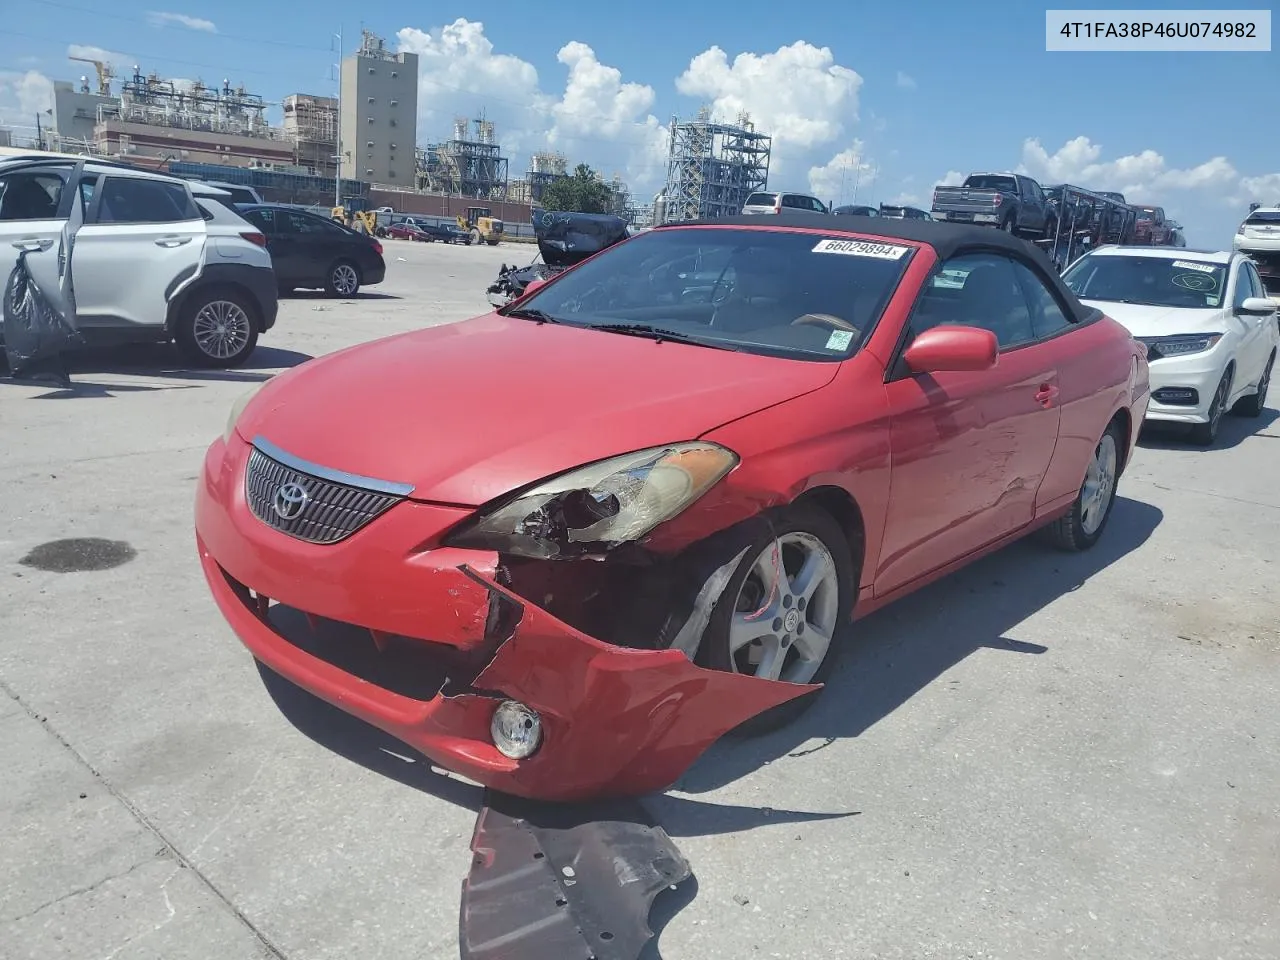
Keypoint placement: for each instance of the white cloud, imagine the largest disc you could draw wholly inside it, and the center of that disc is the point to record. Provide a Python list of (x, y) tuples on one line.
[(117, 61), (598, 117), (906, 200), (22, 96), (1264, 189), (906, 82), (952, 178), (597, 103), (1146, 175), (798, 94), (836, 179), (161, 18)]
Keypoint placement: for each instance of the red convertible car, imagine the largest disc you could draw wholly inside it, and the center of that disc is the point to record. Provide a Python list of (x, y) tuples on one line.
[(589, 533)]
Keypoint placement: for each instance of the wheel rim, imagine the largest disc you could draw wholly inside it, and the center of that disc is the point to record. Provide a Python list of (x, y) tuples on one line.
[(1099, 482), (344, 278), (221, 329), (1265, 383), (786, 610), (1008, 225)]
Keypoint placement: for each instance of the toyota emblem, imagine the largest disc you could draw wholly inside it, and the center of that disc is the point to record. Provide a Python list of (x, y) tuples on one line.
[(290, 500)]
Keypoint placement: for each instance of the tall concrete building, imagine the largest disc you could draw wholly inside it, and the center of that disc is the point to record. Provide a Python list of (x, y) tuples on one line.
[(379, 122), (75, 110)]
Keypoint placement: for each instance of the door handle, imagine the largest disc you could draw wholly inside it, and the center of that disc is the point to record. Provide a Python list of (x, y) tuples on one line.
[(1046, 394), (172, 241), (33, 244)]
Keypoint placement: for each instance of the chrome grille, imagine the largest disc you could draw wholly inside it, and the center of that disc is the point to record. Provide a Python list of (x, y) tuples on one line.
[(331, 512)]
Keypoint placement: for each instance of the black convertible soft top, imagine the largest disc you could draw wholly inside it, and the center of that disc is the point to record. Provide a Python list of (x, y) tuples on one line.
[(947, 240)]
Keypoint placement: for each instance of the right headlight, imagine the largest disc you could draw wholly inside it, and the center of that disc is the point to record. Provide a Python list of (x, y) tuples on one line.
[(601, 505)]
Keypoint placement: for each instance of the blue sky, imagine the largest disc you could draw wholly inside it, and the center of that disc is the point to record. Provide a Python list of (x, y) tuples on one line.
[(908, 98)]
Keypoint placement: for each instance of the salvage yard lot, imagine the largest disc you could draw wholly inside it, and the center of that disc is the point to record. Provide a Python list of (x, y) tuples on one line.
[(1046, 755)]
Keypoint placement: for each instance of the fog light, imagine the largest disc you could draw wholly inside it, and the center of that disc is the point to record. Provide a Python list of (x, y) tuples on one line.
[(516, 729)]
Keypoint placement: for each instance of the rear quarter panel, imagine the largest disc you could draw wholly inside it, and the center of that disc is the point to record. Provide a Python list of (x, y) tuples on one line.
[(1099, 370)]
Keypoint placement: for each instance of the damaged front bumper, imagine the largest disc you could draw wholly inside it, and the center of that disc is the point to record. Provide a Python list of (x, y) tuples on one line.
[(616, 721)]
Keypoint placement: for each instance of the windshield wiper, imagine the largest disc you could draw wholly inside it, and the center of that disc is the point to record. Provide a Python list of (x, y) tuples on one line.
[(659, 334), (531, 314)]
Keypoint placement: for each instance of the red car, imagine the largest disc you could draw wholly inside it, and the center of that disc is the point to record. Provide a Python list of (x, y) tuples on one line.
[(408, 230), (1151, 227), (585, 535)]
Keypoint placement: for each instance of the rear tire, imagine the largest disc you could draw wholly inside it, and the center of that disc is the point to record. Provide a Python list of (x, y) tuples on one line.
[(343, 279), (1254, 404), (1010, 224), (1081, 526), (217, 328)]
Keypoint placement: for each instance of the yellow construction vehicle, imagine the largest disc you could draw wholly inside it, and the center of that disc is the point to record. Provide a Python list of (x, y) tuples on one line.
[(481, 225), (350, 218)]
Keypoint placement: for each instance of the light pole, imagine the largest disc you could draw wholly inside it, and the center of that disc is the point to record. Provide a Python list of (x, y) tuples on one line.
[(337, 129)]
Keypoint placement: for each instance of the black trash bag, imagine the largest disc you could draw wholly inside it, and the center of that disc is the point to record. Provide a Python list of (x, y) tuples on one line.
[(564, 239), (36, 332)]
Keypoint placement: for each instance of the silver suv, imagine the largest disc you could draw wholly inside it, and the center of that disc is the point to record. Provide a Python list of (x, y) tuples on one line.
[(782, 202), (135, 259)]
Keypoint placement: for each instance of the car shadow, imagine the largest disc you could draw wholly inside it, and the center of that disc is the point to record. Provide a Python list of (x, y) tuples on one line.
[(894, 653), (321, 295), (1232, 432), (164, 360)]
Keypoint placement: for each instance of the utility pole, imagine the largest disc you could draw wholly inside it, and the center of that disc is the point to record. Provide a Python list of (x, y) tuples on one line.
[(337, 131)]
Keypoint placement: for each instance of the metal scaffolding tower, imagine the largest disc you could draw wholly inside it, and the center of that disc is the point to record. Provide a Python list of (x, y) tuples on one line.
[(713, 167), (469, 165)]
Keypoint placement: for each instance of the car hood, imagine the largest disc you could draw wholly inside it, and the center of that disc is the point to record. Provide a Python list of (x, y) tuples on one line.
[(466, 412), (1146, 321)]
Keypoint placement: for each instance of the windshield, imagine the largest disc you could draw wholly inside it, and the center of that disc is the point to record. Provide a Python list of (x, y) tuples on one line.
[(988, 182), (800, 295), (1152, 281), (1261, 217), (760, 200)]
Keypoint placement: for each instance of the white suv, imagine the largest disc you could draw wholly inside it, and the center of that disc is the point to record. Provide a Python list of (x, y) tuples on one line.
[(768, 201), (133, 257)]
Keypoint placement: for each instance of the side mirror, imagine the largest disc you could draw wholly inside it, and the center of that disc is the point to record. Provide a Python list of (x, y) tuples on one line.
[(952, 348), (533, 285), (1257, 307)]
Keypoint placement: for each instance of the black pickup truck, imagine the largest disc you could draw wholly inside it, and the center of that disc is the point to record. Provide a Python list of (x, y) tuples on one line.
[(1010, 201)]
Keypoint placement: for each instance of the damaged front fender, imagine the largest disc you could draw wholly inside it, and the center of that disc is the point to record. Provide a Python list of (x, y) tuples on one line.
[(616, 721)]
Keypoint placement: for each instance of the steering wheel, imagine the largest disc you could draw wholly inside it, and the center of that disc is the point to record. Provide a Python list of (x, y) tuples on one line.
[(823, 320)]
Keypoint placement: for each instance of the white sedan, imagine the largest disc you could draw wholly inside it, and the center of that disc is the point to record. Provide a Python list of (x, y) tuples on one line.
[(1211, 332)]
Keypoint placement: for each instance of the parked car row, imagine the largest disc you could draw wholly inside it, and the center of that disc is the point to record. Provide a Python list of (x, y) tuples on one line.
[(135, 256)]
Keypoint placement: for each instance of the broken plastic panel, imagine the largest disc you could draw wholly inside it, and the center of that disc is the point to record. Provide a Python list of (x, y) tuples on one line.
[(563, 882)]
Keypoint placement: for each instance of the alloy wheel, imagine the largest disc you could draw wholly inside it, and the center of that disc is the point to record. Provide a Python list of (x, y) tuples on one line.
[(1099, 482), (786, 610), (221, 329), (345, 280)]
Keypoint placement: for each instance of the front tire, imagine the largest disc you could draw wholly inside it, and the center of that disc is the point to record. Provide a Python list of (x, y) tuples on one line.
[(1254, 404), (1204, 434), (217, 328), (1081, 526), (343, 279), (779, 614)]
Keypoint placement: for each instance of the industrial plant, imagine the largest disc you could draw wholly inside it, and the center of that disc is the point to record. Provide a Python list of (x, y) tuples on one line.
[(361, 146)]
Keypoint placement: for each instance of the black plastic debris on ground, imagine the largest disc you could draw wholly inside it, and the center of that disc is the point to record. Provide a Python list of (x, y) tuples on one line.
[(79, 555), (564, 881)]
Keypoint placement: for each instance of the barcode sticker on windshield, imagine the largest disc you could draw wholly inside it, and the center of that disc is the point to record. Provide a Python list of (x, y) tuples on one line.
[(861, 248), (1189, 265)]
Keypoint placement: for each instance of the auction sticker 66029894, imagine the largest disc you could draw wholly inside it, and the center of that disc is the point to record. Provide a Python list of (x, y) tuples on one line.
[(862, 248)]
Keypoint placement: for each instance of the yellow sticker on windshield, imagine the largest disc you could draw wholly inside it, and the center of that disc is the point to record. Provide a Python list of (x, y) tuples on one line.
[(862, 248)]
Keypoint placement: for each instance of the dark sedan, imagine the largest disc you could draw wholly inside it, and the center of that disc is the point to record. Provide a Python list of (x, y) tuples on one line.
[(311, 251), (446, 233)]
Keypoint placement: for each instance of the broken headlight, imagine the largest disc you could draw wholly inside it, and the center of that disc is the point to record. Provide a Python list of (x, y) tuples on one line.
[(601, 505)]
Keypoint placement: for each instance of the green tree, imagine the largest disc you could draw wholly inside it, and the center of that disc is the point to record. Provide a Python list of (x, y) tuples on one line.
[(581, 192)]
